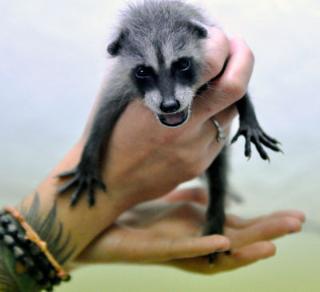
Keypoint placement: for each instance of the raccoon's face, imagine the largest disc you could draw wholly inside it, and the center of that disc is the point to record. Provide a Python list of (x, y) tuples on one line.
[(164, 68), (168, 90)]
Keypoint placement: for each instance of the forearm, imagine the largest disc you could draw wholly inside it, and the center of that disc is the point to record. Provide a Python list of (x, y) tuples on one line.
[(66, 231), (81, 224)]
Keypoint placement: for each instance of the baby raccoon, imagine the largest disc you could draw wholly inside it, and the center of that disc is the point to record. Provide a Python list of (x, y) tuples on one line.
[(159, 51)]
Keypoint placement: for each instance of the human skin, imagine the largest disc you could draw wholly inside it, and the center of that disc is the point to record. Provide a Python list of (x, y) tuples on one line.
[(153, 232), (145, 160), (172, 237), (142, 153)]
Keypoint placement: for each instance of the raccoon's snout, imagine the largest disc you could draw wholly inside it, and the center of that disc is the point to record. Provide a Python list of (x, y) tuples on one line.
[(172, 110), (170, 106), (176, 119)]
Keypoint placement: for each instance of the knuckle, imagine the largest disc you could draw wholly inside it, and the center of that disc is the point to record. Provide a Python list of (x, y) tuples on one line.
[(250, 55), (219, 36), (217, 51), (212, 68), (235, 88)]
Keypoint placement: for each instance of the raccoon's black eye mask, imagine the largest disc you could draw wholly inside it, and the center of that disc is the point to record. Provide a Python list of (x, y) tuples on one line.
[(182, 65), (143, 72)]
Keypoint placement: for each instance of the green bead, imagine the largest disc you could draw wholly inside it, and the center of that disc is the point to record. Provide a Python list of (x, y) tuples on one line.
[(18, 252), (5, 220), (12, 229), (21, 238), (8, 240)]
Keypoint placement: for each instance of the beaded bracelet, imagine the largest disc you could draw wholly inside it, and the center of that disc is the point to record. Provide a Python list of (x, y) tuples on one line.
[(30, 252)]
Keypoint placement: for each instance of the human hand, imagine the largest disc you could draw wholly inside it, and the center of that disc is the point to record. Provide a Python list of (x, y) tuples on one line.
[(146, 160), (154, 159), (167, 231)]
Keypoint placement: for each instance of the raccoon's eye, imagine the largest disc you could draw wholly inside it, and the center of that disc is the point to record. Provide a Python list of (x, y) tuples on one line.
[(183, 64), (143, 72)]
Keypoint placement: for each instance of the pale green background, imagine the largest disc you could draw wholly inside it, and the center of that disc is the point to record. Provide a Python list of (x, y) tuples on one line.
[(51, 63)]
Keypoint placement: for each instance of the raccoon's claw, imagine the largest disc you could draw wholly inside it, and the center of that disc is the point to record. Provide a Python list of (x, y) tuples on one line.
[(67, 173), (259, 138), (82, 181)]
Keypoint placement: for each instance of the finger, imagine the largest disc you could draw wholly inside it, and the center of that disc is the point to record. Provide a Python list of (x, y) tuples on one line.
[(224, 119), (196, 195), (121, 244), (247, 255), (234, 221), (239, 258), (231, 86), (207, 137), (265, 230), (226, 116), (216, 52), (166, 250), (253, 252)]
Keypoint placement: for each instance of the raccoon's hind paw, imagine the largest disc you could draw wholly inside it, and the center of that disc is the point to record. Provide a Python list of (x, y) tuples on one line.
[(259, 138), (82, 181), (213, 226), (212, 257)]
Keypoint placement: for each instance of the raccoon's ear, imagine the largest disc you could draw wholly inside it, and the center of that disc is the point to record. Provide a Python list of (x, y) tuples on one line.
[(115, 47), (198, 28)]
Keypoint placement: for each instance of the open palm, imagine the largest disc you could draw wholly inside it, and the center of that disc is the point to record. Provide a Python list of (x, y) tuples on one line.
[(168, 230)]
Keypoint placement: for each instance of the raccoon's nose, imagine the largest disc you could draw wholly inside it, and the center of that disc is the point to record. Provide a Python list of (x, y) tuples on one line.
[(170, 106)]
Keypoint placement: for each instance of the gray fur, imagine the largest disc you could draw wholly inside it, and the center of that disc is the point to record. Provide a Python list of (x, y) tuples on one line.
[(159, 57), (152, 26), (159, 22)]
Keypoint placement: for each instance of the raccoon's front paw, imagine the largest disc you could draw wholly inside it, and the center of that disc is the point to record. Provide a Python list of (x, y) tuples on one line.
[(258, 137), (213, 227), (82, 181)]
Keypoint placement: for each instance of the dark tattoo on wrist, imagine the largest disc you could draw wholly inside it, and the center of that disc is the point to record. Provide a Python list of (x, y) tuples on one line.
[(49, 229)]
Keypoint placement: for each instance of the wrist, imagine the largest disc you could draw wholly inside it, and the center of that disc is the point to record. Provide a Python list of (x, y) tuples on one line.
[(79, 225)]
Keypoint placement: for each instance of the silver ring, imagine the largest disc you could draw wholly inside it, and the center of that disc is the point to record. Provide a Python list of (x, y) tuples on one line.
[(220, 134)]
